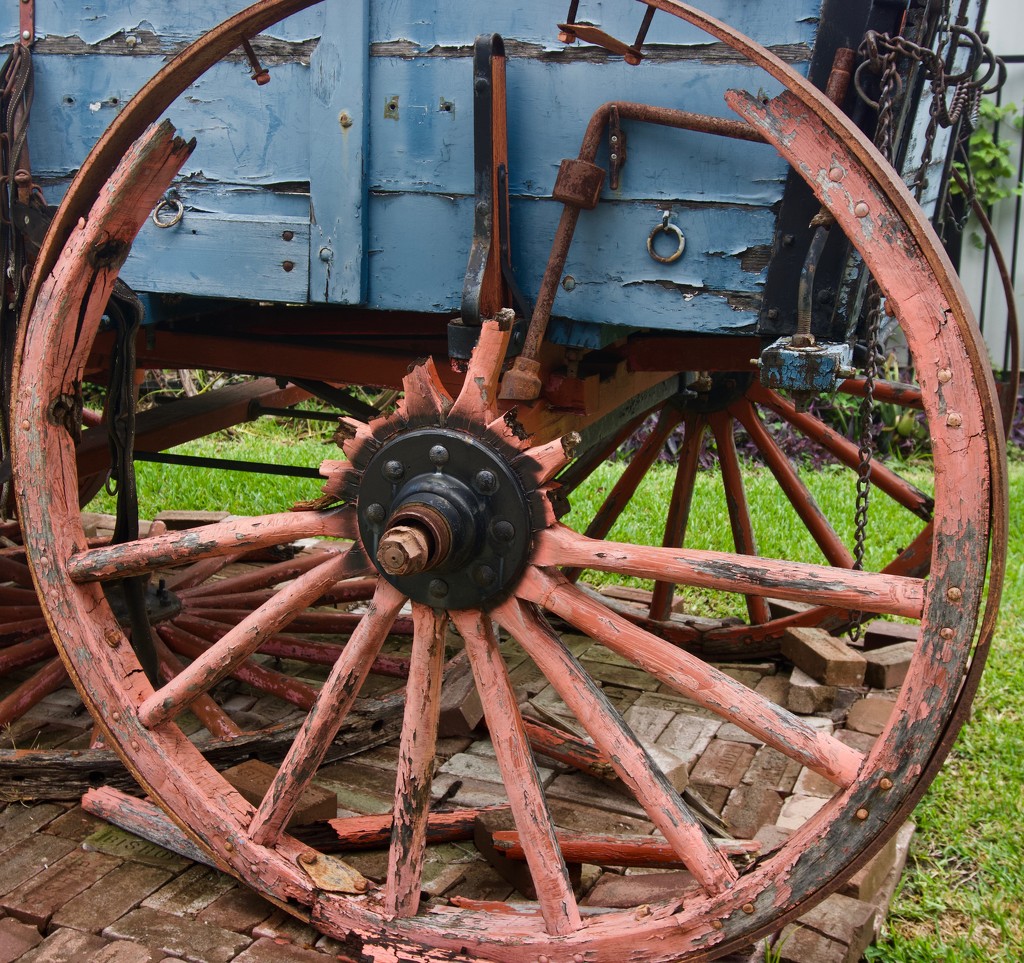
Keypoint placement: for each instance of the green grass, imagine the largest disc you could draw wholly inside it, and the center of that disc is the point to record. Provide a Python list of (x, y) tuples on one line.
[(962, 898)]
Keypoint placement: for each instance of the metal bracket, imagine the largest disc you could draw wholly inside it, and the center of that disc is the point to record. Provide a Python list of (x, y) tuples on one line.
[(571, 31), (27, 25), (616, 148)]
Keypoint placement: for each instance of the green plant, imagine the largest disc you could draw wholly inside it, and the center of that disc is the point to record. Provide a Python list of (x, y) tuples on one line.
[(988, 167)]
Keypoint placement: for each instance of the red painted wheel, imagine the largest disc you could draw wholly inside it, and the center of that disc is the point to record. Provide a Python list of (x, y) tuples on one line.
[(445, 505)]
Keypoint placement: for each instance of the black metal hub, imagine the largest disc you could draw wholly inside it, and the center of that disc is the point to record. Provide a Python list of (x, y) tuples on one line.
[(467, 507)]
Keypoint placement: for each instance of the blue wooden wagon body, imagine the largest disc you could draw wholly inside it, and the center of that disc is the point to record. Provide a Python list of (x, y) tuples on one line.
[(349, 178)]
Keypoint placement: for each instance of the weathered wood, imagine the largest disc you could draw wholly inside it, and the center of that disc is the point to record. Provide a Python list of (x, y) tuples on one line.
[(601, 850), (477, 402), (519, 773), (175, 548), (20, 654), (425, 395), (259, 578), (211, 715), (722, 427), (327, 715), (32, 691), (565, 748), (371, 832), (678, 517), (416, 764), (240, 642), (696, 680), (632, 763), (143, 819), (868, 591)]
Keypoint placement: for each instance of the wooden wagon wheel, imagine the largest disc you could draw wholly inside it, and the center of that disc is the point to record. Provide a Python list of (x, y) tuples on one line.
[(444, 505)]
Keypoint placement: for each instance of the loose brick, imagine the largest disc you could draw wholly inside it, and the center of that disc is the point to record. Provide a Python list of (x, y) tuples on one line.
[(771, 838), (238, 910), (253, 778), (120, 891), (31, 858), (724, 763), (191, 892), (797, 810), (65, 946), (714, 796), (38, 898), (124, 951), (800, 945), (75, 824), (749, 808), (772, 770), (887, 667), (775, 688), (674, 766), (850, 922), (467, 765), (808, 696), (866, 882), (461, 708), (733, 733), (811, 784), (689, 734), (178, 936), (586, 819), (883, 896), (879, 633), (870, 716), (827, 659), (270, 951), (622, 892), (18, 822), (16, 939), (579, 789), (861, 741)]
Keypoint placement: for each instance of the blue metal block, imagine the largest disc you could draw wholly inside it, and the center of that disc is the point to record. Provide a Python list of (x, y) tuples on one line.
[(817, 369)]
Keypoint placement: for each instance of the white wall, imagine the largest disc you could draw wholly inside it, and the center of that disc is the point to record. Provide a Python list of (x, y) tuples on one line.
[(1005, 23)]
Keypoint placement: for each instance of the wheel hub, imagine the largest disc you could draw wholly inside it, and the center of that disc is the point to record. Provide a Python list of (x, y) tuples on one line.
[(445, 519)]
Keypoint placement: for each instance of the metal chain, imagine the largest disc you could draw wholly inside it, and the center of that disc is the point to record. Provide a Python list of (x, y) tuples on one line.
[(890, 86)]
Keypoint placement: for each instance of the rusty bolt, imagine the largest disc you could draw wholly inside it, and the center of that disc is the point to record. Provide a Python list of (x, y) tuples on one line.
[(135, 745), (542, 959), (568, 283), (954, 594), (748, 907), (835, 174), (885, 784), (641, 911), (860, 209), (288, 266), (345, 119), (44, 562), (287, 235), (438, 455), (946, 633), (308, 858), (862, 814), (112, 637), (945, 376), (578, 958), (393, 470), (115, 717), (717, 925), (228, 846), (954, 419), (773, 314), (376, 513), (25, 425), (503, 530)]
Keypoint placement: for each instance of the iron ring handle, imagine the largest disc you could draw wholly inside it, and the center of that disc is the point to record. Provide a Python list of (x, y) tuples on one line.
[(168, 204), (666, 228)]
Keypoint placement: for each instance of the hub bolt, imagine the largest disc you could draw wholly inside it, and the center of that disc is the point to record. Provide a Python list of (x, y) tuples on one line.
[(439, 455), (438, 588), (484, 576), (503, 530), (486, 482), (375, 513), (394, 470)]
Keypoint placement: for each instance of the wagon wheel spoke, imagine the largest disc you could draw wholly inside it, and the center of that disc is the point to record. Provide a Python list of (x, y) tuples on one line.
[(326, 717), (32, 691), (797, 581), (846, 452), (793, 487), (244, 639), (519, 773), (416, 763), (211, 715), (736, 504), (263, 578), (694, 427), (477, 401), (613, 737), (222, 538), (695, 679)]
